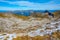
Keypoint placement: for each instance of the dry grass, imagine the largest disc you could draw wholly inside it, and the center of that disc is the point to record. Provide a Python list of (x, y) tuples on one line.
[(13, 15), (55, 36)]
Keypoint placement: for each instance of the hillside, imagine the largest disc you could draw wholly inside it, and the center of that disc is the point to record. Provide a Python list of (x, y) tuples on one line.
[(37, 27)]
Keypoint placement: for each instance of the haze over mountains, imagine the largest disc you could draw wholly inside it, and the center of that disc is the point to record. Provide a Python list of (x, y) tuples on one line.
[(25, 12)]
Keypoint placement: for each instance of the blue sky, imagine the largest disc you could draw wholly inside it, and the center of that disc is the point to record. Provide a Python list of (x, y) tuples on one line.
[(29, 4)]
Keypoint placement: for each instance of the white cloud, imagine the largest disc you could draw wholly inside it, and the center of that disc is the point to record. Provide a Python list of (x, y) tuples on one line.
[(7, 8), (34, 6)]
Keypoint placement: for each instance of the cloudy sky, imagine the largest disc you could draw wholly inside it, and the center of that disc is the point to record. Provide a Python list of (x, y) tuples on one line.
[(29, 4)]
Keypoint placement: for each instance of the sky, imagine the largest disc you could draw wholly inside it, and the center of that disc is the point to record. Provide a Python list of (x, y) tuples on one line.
[(29, 4)]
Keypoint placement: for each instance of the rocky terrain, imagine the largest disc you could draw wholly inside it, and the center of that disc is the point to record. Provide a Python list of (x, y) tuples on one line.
[(13, 27)]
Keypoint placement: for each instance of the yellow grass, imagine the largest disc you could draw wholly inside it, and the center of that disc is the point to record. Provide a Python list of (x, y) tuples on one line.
[(46, 37)]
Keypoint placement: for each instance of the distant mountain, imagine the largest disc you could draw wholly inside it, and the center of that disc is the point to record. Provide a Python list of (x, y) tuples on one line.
[(25, 12)]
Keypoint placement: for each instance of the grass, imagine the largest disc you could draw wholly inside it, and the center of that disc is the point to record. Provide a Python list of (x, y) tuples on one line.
[(14, 15)]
